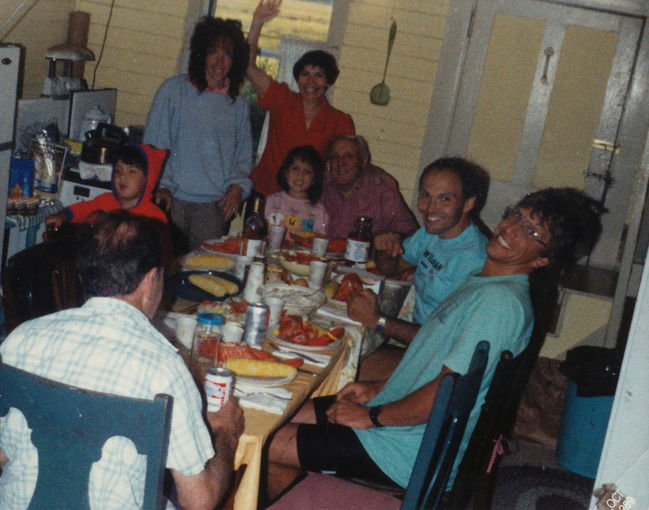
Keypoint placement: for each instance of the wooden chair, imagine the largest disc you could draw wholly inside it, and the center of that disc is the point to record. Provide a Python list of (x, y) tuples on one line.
[(69, 427), (442, 437), (476, 475), (41, 279)]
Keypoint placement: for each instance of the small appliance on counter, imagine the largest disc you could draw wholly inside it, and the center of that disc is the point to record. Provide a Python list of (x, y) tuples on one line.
[(74, 188)]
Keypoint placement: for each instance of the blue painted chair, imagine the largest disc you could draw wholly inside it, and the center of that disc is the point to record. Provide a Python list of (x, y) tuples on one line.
[(443, 434), (70, 425), (455, 398)]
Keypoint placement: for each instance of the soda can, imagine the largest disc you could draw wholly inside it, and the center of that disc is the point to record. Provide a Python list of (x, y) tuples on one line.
[(256, 324), (218, 387)]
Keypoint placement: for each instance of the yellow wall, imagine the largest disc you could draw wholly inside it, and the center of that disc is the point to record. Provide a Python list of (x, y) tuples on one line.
[(45, 25), (395, 132)]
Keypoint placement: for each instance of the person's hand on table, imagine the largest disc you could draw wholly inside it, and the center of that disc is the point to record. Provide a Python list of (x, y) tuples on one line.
[(227, 421), (163, 199), (54, 221), (266, 10), (350, 414), (390, 242), (359, 392), (229, 204), (363, 307)]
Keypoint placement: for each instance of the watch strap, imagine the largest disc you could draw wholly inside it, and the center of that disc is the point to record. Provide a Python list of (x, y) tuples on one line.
[(374, 415), (379, 327)]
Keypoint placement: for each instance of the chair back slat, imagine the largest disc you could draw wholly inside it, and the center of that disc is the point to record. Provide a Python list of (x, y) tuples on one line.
[(445, 428), (69, 427), (495, 420)]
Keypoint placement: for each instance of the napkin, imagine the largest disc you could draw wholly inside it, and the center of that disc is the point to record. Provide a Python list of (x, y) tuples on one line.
[(271, 400), (319, 360), (337, 314)]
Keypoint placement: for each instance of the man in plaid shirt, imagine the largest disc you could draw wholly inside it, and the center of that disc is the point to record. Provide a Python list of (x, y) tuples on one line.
[(109, 345)]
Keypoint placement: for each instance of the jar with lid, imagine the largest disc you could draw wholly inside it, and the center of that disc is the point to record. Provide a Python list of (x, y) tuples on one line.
[(208, 336), (359, 241)]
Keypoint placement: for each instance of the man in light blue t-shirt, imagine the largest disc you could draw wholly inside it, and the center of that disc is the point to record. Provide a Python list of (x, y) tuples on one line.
[(373, 430), (444, 251)]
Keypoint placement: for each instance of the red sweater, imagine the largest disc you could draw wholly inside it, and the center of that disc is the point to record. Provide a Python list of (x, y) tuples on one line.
[(79, 212)]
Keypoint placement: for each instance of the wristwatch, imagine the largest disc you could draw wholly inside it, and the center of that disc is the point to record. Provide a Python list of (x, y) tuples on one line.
[(379, 327), (374, 415)]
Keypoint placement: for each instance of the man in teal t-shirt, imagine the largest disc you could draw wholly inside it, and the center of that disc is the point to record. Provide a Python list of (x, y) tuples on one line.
[(373, 429), (443, 251)]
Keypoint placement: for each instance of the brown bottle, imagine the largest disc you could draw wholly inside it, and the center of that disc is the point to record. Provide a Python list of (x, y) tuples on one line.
[(359, 241), (254, 231)]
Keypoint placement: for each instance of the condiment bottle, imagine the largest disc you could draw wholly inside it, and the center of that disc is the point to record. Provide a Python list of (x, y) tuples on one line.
[(254, 231), (359, 242), (207, 341)]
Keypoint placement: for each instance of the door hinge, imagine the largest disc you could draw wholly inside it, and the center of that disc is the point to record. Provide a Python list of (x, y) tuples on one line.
[(606, 145)]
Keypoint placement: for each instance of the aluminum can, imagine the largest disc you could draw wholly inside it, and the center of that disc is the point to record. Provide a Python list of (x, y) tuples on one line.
[(218, 387), (256, 324)]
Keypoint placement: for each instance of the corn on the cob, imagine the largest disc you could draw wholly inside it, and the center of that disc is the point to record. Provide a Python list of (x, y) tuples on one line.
[(259, 368), (215, 285), (212, 261)]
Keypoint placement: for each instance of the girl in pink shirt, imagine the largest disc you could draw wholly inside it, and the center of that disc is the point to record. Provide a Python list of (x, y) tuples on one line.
[(298, 206)]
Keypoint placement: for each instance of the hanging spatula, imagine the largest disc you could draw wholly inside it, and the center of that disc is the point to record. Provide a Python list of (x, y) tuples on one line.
[(380, 93)]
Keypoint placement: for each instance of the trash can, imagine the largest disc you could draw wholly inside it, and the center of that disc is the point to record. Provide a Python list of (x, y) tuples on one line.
[(592, 374)]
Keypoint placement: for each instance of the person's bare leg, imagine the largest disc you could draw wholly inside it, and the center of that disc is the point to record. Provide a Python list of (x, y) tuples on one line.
[(379, 365), (283, 461), (306, 413)]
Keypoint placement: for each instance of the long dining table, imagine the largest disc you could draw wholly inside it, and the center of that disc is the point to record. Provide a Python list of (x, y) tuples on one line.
[(311, 381)]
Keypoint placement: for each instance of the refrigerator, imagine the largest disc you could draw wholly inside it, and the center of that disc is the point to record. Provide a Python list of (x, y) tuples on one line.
[(9, 66)]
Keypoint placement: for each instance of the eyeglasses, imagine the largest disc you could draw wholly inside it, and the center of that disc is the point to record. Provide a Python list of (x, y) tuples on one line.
[(514, 215)]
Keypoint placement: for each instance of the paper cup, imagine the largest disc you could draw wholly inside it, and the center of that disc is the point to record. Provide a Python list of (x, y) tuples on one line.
[(185, 327), (276, 235), (319, 247), (232, 332), (275, 306), (317, 270)]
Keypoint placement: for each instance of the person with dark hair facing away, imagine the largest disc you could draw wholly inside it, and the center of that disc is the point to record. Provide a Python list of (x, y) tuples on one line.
[(108, 345), (136, 170), (204, 122), (373, 429), (298, 207), (296, 118)]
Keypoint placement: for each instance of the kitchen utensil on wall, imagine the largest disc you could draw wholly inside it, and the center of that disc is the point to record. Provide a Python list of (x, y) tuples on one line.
[(380, 93)]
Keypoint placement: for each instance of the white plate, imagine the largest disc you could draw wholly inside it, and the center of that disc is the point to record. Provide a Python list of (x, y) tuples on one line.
[(300, 347), (243, 381)]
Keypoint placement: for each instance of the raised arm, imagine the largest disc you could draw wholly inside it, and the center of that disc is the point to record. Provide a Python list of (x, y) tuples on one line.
[(266, 10)]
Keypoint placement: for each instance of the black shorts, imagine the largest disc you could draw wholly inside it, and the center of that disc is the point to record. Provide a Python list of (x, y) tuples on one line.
[(335, 448)]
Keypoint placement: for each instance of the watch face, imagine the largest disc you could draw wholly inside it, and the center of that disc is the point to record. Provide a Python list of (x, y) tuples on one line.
[(374, 416)]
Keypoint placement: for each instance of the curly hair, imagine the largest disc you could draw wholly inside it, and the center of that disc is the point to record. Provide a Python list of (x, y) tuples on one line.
[(307, 154), (209, 33), (318, 58), (574, 221), (473, 178)]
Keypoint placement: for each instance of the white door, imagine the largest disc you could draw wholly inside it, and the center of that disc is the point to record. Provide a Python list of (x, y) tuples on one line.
[(540, 100)]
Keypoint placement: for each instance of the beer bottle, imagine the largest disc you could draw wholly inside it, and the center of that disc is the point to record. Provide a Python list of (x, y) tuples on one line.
[(254, 231), (359, 242)]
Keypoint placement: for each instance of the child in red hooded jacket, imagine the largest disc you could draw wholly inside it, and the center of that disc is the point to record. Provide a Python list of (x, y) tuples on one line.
[(135, 175)]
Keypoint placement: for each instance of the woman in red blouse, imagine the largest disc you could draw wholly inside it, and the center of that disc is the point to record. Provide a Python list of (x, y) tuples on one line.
[(296, 118)]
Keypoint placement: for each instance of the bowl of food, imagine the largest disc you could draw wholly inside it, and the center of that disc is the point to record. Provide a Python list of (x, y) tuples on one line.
[(298, 300)]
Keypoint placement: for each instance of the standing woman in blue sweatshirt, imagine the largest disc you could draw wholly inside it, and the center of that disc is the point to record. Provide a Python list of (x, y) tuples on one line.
[(205, 124)]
